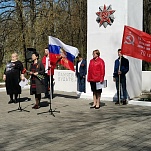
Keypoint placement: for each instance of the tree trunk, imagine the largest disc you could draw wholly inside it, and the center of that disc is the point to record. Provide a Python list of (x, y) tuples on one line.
[(19, 10), (32, 22)]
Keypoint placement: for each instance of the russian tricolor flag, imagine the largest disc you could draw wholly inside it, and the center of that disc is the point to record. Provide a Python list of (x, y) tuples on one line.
[(62, 53)]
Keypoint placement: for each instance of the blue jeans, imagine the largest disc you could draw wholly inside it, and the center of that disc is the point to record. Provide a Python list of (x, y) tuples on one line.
[(123, 84), (81, 83)]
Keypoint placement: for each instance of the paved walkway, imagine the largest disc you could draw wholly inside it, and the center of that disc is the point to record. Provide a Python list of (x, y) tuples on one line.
[(75, 128)]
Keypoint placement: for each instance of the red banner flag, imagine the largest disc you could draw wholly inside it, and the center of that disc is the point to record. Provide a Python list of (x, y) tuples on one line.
[(136, 44)]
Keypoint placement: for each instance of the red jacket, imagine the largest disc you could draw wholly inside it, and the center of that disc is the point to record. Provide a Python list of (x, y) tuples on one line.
[(51, 63), (96, 70)]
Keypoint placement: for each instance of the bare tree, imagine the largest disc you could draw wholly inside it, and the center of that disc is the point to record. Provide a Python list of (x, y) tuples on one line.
[(28, 23)]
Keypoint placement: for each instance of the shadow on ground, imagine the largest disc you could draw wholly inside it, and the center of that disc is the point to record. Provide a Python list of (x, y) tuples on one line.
[(101, 104), (24, 99), (44, 104), (66, 96)]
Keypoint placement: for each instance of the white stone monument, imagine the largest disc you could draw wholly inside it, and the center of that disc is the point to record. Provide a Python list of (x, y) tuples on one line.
[(108, 38)]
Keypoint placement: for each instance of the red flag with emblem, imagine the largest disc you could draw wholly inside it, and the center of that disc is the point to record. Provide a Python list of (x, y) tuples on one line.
[(136, 44)]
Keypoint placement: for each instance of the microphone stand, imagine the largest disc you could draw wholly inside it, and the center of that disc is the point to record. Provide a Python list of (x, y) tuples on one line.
[(50, 98), (19, 107)]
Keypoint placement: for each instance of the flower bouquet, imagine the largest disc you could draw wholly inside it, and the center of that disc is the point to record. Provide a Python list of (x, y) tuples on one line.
[(39, 76)]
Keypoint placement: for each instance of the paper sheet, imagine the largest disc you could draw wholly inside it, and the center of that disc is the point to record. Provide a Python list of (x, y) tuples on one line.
[(100, 85), (23, 83)]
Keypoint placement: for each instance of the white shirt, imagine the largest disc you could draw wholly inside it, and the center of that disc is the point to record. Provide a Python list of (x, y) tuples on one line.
[(79, 63), (47, 63)]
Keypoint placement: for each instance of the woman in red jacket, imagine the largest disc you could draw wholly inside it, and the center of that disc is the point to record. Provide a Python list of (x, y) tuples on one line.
[(96, 73)]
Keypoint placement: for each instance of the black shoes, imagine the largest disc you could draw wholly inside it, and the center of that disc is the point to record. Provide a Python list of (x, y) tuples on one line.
[(95, 107), (11, 101), (116, 102), (92, 107), (15, 101), (123, 103)]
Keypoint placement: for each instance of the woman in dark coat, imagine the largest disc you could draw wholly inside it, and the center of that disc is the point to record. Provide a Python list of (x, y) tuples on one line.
[(13, 74), (37, 85)]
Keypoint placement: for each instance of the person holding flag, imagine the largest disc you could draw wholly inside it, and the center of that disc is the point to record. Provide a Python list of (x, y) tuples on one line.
[(121, 67)]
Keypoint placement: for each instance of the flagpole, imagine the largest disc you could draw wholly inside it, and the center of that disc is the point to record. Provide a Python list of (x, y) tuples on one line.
[(51, 89), (119, 89)]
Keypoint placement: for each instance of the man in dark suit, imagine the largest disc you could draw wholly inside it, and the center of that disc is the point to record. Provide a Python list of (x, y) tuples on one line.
[(81, 71), (121, 67)]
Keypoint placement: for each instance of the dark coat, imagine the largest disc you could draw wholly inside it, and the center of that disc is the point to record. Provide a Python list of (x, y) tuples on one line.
[(83, 68), (124, 67), (13, 71), (40, 84)]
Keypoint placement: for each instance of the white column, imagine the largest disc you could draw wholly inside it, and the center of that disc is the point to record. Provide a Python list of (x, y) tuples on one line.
[(108, 40)]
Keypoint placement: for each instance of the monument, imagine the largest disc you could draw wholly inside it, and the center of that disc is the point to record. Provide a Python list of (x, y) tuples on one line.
[(105, 25)]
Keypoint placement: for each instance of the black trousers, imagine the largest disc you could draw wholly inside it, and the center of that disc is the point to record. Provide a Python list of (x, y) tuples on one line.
[(11, 96)]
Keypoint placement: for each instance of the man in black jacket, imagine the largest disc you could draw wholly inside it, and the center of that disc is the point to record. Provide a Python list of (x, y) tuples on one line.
[(81, 70), (121, 67)]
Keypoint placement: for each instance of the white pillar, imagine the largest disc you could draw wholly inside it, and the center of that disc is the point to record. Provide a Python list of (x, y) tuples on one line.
[(108, 40)]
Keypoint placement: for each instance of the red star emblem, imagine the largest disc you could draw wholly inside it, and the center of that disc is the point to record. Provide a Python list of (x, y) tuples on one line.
[(105, 15)]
